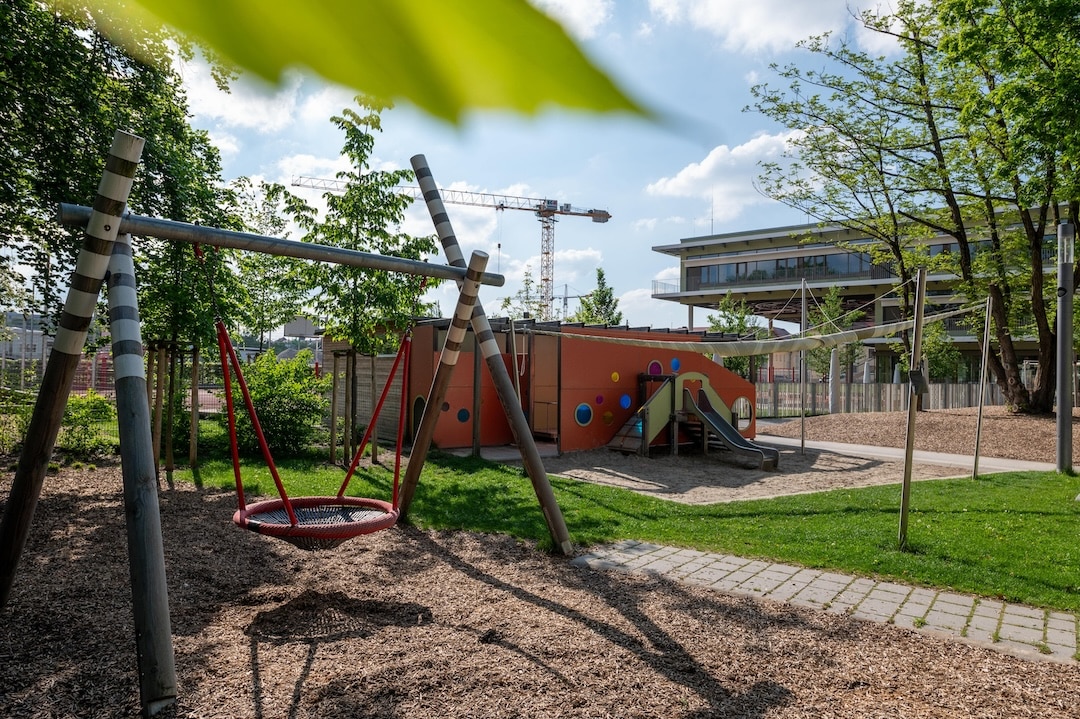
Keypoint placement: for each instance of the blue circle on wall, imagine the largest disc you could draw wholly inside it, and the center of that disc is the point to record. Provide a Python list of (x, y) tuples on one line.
[(583, 415), (463, 415), (625, 401), (675, 364)]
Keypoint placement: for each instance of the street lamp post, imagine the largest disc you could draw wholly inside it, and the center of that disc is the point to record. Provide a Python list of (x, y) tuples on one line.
[(1066, 235)]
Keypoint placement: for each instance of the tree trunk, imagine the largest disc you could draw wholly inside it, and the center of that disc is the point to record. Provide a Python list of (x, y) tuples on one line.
[(1003, 363)]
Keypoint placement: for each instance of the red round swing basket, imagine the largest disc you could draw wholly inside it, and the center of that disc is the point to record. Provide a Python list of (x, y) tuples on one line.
[(321, 522)]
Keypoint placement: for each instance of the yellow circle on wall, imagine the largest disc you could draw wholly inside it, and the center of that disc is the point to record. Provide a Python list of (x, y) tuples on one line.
[(614, 376)]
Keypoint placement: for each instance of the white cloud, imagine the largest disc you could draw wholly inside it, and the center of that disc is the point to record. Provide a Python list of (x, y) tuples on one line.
[(251, 105), (575, 268), (761, 26), (639, 309), (226, 142), (581, 18), (590, 257), (318, 107), (305, 165), (668, 273), (725, 177)]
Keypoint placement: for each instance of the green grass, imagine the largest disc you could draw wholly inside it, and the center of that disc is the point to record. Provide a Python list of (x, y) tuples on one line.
[(1012, 536)]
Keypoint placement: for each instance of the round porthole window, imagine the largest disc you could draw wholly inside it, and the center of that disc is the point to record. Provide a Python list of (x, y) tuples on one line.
[(583, 415)]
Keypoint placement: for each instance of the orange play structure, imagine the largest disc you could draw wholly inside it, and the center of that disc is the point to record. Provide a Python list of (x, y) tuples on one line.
[(581, 393)]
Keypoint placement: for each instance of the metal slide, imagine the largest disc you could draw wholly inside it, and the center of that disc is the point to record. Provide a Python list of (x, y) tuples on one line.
[(726, 433)]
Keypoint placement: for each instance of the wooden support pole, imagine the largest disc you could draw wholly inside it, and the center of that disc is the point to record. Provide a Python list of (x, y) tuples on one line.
[(504, 386), (151, 362), (146, 552), (79, 306), (374, 395), (349, 430), (170, 414), (440, 383), (333, 406), (476, 398), (159, 400), (193, 441)]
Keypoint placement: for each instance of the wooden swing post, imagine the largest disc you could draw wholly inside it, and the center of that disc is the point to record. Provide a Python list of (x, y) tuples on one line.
[(504, 386)]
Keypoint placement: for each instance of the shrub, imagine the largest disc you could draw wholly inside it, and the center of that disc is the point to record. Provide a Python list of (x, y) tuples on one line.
[(289, 400), (86, 421), (15, 410)]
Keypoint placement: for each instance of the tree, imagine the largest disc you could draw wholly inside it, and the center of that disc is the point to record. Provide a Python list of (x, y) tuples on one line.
[(943, 360), (289, 400), (64, 89), (960, 152), (840, 167), (829, 317), (736, 318), (527, 302), (599, 307), (369, 308), (274, 288)]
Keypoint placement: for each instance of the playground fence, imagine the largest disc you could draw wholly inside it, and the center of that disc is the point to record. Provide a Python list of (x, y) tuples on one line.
[(785, 399)]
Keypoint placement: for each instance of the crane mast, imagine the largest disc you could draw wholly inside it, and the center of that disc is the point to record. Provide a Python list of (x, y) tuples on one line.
[(547, 211)]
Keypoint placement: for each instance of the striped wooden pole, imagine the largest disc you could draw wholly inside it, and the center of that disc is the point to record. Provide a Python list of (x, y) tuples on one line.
[(146, 551), (504, 386), (86, 281), (440, 384)]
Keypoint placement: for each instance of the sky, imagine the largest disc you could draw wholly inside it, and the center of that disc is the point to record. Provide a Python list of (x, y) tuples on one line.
[(695, 60)]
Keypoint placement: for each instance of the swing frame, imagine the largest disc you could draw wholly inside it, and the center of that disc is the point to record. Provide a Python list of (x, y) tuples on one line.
[(310, 523)]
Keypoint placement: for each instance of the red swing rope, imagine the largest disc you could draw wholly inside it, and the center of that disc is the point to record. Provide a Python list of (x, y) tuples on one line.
[(228, 356), (226, 350), (403, 353)]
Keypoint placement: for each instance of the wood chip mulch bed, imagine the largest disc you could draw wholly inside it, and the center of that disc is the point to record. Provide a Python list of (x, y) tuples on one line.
[(407, 623)]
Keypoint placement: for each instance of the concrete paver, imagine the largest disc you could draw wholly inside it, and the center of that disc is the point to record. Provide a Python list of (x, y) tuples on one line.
[(1017, 629)]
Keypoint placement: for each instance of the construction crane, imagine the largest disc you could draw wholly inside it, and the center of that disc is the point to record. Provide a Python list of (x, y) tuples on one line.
[(547, 211)]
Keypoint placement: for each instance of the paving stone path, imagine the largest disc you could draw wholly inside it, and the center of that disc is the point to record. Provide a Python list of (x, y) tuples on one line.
[(1013, 628)]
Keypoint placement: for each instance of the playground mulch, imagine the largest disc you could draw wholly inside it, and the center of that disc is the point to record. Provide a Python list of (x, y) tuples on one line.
[(1031, 438), (407, 623)]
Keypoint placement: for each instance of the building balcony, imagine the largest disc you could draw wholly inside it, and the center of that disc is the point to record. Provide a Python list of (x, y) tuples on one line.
[(761, 279)]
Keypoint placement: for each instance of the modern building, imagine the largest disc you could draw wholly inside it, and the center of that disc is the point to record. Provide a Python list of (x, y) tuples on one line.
[(766, 268)]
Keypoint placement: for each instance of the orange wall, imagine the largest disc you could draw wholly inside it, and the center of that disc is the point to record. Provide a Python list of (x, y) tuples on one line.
[(455, 426), (598, 387)]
